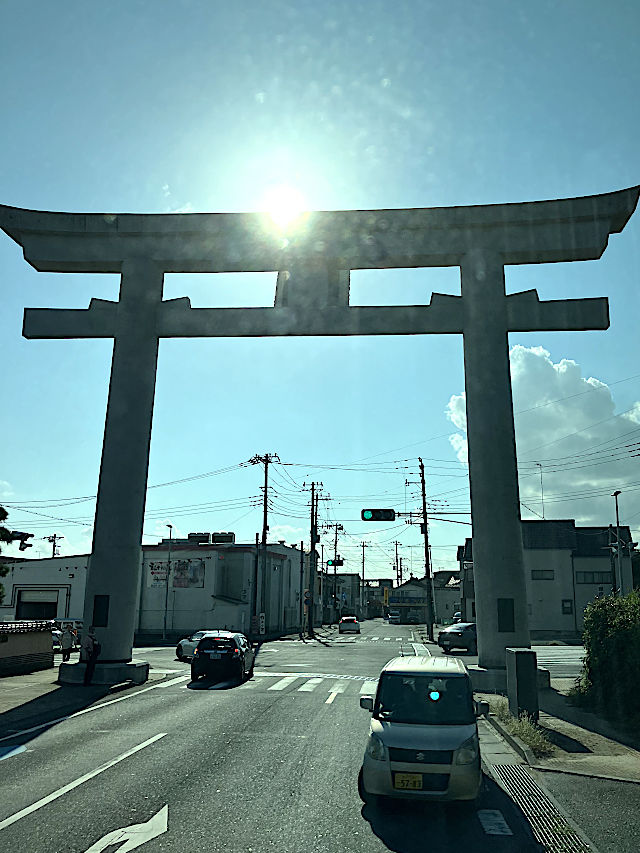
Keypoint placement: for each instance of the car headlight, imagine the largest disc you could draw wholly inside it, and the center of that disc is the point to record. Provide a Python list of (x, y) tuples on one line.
[(376, 748), (468, 752)]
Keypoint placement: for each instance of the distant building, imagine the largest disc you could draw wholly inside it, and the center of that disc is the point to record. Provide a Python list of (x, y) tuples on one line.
[(566, 567)]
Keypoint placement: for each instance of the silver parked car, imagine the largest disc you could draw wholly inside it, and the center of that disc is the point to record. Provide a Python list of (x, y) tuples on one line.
[(186, 646), (423, 738)]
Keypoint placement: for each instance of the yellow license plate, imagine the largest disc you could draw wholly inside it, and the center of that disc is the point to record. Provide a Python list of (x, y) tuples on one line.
[(408, 781)]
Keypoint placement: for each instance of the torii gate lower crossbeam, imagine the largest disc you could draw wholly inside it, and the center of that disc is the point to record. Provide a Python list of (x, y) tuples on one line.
[(312, 298)]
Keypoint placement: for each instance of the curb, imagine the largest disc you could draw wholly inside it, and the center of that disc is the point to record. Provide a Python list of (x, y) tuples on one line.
[(584, 774), (514, 742)]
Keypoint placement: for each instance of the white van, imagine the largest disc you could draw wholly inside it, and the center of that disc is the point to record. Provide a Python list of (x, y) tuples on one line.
[(423, 739)]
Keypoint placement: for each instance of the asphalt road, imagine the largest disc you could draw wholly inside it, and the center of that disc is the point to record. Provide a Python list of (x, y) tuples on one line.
[(268, 765)]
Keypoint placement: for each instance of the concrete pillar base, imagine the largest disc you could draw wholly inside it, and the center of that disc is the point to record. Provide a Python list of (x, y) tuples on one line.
[(105, 673), (495, 680)]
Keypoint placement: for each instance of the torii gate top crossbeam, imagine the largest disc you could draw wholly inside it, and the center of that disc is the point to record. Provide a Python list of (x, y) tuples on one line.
[(530, 232)]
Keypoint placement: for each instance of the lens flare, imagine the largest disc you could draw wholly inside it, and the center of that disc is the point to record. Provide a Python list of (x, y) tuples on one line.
[(284, 205)]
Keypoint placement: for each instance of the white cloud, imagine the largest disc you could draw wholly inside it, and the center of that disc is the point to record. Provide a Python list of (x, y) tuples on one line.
[(567, 423), (184, 208), (287, 532), (6, 491)]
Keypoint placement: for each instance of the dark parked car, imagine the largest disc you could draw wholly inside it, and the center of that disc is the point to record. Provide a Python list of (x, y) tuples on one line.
[(460, 636), (223, 653)]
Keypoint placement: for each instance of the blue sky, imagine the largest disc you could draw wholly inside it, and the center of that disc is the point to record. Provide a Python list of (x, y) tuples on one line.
[(205, 106)]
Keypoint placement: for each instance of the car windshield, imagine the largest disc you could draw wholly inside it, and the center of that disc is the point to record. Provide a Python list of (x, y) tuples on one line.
[(424, 699)]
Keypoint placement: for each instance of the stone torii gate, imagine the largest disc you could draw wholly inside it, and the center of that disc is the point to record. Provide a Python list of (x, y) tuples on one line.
[(312, 298)]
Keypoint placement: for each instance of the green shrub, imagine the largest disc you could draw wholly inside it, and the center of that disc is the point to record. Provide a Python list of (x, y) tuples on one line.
[(611, 671)]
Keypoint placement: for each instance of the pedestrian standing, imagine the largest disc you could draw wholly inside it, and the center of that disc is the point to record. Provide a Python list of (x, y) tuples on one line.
[(67, 640), (89, 651)]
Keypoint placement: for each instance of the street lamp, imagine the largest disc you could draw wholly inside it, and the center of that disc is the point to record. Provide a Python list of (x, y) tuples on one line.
[(619, 578), (166, 588)]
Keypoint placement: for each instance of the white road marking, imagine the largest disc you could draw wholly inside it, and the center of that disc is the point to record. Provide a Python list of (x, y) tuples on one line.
[(165, 671), (375, 638), (338, 687), (309, 685), (135, 835), (493, 822), (172, 682), (421, 649), (387, 638), (93, 708), (369, 688), (10, 751), (79, 781), (284, 682)]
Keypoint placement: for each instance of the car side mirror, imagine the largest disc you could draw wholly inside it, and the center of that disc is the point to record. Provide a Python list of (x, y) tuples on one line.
[(482, 709), (366, 702)]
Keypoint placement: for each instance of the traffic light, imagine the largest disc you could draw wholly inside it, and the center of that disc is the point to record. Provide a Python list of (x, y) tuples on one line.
[(17, 535), (378, 515), (338, 562)]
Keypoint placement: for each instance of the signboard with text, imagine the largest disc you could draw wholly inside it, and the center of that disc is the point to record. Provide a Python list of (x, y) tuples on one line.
[(185, 574)]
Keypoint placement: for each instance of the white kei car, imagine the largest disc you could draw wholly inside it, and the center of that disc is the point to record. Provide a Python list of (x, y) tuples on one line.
[(348, 623), (184, 649)]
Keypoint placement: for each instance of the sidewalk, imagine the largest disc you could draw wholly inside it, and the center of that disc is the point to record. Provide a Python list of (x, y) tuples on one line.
[(584, 744), (35, 698)]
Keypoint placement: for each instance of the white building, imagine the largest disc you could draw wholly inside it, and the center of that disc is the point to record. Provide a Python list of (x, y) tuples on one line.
[(566, 567), (209, 586)]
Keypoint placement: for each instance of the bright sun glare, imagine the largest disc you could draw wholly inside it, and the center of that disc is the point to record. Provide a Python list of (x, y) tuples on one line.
[(284, 205)]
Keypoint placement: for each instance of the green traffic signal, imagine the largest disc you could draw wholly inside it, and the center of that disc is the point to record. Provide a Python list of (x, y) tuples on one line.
[(378, 515)]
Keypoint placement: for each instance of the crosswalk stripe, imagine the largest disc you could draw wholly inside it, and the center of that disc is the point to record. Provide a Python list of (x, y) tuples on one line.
[(369, 687), (284, 682), (338, 687), (387, 638), (309, 685)]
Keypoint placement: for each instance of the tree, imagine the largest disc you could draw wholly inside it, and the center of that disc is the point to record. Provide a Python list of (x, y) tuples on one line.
[(5, 536)]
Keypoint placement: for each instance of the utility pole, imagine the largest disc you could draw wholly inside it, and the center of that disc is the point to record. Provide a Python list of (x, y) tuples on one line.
[(166, 586), (264, 460), (314, 539), (335, 527), (539, 464), (255, 628), (618, 548), (53, 540), (397, 566), (427, 561), (362, 588), (301, 588), (312, 573), (322, 573)]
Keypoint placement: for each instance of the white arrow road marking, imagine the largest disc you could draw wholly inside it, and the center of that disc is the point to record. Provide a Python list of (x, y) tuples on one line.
[(135, 835), (76, 782)]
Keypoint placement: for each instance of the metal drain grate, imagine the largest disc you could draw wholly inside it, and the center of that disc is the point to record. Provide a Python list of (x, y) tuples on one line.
[(549, 827)]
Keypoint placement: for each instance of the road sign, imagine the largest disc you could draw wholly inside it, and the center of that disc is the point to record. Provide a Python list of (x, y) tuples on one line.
[(385, 593), (378, 515), (262, 623)]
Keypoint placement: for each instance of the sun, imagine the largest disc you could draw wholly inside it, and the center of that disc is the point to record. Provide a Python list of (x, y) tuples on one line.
[(284, 205)]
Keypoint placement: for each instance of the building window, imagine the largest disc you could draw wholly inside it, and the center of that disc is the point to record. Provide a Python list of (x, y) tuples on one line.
[(541, 574), (593, 577), (567, 607), (473, 610)]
